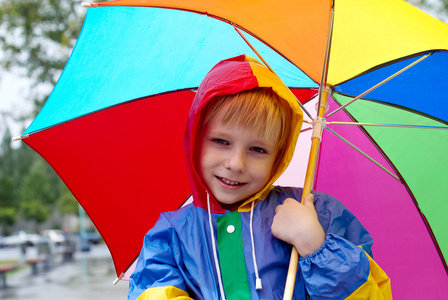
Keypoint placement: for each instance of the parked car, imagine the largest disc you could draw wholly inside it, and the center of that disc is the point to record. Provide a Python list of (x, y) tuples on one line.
[(91, 236), (21, 237), (94, 237), (55, 235)]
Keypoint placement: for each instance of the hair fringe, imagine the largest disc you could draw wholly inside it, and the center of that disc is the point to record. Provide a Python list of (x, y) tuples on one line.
[(260, 108)]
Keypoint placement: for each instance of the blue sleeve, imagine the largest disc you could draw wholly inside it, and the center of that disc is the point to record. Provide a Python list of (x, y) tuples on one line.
[(159, 264), (336, 219), (339, 266)]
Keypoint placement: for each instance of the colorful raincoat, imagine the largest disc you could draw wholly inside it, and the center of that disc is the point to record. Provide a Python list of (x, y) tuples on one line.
[(202, 251)]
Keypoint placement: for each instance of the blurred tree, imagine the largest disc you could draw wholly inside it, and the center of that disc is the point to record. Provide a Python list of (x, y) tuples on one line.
[(33, 210), (437, 8), (66, 202), (37, 37), (36, 194), (5, 153), (6, 192), (20, 159), (8, 205), (8, 211)]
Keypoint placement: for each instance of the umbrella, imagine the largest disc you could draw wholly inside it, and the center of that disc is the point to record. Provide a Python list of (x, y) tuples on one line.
[(113, 126)]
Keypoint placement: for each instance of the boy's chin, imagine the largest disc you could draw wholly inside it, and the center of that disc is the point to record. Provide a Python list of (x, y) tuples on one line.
[(231, 207)]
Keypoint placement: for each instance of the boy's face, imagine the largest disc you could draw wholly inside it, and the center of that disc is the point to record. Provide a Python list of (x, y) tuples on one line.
[(233, 162)]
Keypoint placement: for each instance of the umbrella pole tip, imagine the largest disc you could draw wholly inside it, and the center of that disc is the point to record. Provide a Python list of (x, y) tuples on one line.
[(20, 137), (118, 279)]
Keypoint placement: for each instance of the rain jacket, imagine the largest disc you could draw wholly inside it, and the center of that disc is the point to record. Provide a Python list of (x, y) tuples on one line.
[(202, 251)]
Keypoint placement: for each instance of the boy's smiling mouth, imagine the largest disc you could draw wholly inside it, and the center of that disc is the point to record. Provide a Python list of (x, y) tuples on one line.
[(230, 182)]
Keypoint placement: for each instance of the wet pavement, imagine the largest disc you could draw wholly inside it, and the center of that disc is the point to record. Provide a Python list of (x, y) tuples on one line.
[(88, 276)]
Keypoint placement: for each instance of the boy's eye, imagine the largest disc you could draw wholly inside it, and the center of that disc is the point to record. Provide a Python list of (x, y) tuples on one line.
[(220, 141), (258, 150)]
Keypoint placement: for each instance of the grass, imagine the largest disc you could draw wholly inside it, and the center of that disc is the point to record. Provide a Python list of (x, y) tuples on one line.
[(13, 262), (9, 262)]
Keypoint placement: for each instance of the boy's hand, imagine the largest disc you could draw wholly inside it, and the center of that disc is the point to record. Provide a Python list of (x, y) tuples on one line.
[(298, 225)]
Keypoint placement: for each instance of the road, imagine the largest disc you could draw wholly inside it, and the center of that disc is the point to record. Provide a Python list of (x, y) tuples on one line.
[(89, 276)]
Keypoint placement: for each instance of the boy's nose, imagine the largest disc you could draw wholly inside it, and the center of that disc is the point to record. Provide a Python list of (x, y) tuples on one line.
[(236, 161)]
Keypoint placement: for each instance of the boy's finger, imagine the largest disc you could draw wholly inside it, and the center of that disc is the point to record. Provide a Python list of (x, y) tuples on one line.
[(284, 203)]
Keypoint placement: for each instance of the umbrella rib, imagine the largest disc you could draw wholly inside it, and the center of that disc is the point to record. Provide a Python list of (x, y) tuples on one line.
[(324, 86), (267, 65), (363, 153), (306, 129), (380, 84), (388, 125)]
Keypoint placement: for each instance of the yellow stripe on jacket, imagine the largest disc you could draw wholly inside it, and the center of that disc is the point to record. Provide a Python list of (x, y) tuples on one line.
[(377, 286), (164, 292)]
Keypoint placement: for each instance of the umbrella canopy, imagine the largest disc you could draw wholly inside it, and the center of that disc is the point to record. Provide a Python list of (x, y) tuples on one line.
[(113, 126)]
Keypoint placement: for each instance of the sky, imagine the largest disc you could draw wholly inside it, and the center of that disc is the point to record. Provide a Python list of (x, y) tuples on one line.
[(13, 94)]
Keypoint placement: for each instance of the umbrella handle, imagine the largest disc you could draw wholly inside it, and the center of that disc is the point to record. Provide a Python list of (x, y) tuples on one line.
[(292, 272)]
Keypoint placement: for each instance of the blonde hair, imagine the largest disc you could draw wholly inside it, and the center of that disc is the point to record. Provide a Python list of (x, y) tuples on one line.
[(260, 108)]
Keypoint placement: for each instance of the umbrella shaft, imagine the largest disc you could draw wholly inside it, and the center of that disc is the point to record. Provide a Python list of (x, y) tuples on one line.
[(315, 146), (307, 187), (311, 169)]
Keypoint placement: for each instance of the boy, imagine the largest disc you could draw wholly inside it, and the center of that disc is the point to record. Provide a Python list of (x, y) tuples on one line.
[(234, 241)]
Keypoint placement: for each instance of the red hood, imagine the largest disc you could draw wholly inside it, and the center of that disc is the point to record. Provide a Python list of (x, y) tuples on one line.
[(230, 77)]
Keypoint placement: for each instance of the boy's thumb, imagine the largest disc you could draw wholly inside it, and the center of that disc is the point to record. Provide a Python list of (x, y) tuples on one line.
[(309, 200)]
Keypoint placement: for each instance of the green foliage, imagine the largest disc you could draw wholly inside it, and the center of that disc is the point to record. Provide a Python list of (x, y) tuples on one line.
[(6, 152), (36, 185), (29, 187), (6, 192), (8, 211), (34, 210), (8, 217), (66, 202), (36, 195)]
